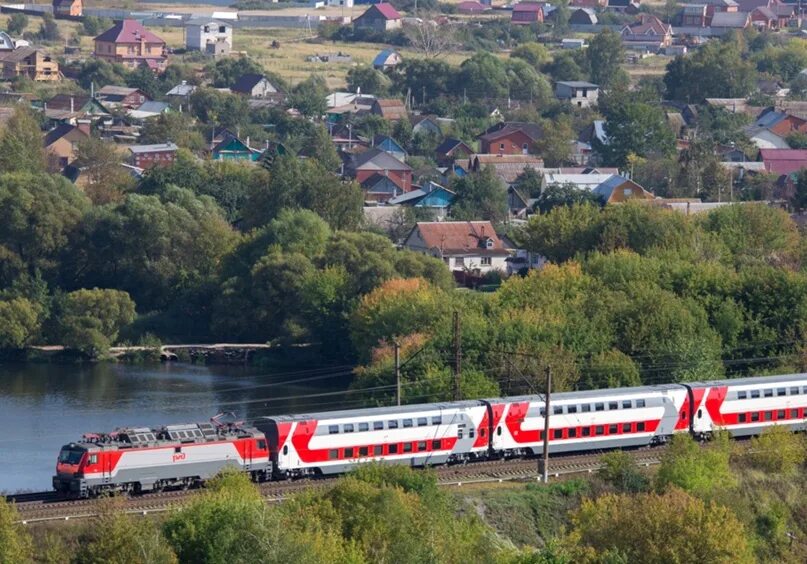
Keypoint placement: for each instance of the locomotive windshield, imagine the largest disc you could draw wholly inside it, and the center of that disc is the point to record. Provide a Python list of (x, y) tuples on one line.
[(70, 456)]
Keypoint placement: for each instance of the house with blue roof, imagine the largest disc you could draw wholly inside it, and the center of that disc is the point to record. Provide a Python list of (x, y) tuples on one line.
[(231, 148), (431, 196), (390, 146), (387, 60)]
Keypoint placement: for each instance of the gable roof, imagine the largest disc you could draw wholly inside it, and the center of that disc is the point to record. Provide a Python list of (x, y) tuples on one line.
[(531, 130), (390, 108), (450, 144), (128, 31), (392, 144), (246, 82), (381, 184), (730, 19), (648, 25), (58, 132), (387, 10), (381, 58), (605, 190), (783, 161), (415, 196), (528, 7), (460, 237), (376, 159), (116, 91), (155, 148)]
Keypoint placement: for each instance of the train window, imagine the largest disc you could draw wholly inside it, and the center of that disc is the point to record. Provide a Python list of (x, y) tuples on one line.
[(393, 449), (93, 459), (780, 414), (348, 428), (743, 418), (640, 403), (333, 429), (804, 390), (700, 414), (407, 447), (378, 425), (459, 434), (626, 427), (364, 451), (482, 432), (348, 453), (392, 424), (683, 415), (599, 430), (437, 420), (177, 449), (286, 449), (378, 450), (599, 407), (794, 413), (754, 394), (742, 395), (585, 408), (781, 392), (613, 405), (422, 446), (333, 454), (436, 444), (261, 444), (755, 416), (572, 432), (422, 421), (640, 427), (471, 433), (768, 415), (407, 422), (586, 431), (542, 411), (768, 393), (540, 435), (499, 430), (364, 427), (557, 434), (626, 404), (572, 409), (794, 391), (613, 429), (557, 410)]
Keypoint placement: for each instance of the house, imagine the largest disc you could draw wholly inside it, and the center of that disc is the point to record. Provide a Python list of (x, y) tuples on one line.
[(730, 20), (62, 8), (181, 93), (694, 15), (121, 97), (577, 93), (506, 167), (451, 150), (380, 189), (150, 156), (431, 197), (6, 42), (510, 138), (389, 109), (379, 17), (426, 125), (783, 161), (390, 146), (571, 43), (387, 60), (61, 144), (375, 161), (149, 110), (764, 138), (580, 180), (618, 189), (30, 63), (73, 105), (132, 45), (461, 245), (593, 4), (781, 123), (627, 6), (583, 16), (527, 13), (472, 7), (649, 33), (209, 36), (255, 86), (231, 148), (763, 18)]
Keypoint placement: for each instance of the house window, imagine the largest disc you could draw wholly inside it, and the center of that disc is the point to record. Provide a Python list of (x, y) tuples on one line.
[(222, 29), (459, 261), (485, 261), (207, 29), (501, 146)]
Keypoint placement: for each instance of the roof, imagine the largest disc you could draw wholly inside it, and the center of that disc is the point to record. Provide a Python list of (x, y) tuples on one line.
[(374, 411), (382, 139), (387, 184), (388, 11), (390, 108), (182, 90), (112, 90), (381, 58), (508, 167), (376, 159), (57, 3), (577, 84), (783, 161), (448, 145), (730, 19), (246, 82), (528, 7), (765, 12), (695, 9), (589, 181), (460, 237), (156, 148), (17, 54), (531, 130), (472, 6), (649, 23), (58, 132), (128, 31), (606, 189), (416, 195)]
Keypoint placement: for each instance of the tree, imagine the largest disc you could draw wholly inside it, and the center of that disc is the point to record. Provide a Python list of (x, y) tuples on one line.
[(799, 199), (778, 450), (533, 53), (214, 107), (368, 80), (700, 471), (15, 542), (661, 528), (49, 29), (563, 232), (90, 320), (605, 54), (564, 195), (94, 25), (19, 323), (98, 73), (143, 78), (175, 127), (482, 77), (224, 72), (21, 143), (17, 23), (434, 76), (635, 129), (480, 196), (619, 470), (309, 97), (431, 40), (556, 144), (564, 66), (529, 183), (319, 145), (107, 180), (716, 71)]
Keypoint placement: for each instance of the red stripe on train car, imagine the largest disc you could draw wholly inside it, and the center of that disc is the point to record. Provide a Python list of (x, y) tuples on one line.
[(482, 432)]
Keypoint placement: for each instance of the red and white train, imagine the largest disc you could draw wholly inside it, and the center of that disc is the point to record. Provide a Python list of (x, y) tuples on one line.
[(429, 434)]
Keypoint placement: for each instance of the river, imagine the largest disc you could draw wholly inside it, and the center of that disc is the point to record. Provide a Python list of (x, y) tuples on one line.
[(43, 406)]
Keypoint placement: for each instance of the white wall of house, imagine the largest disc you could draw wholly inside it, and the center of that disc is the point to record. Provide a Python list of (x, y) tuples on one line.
[(197, 36)]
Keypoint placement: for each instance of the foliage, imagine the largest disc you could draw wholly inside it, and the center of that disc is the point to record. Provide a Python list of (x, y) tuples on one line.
[(21, 143), (98, 73), (660, 528), (309, 97), (556, 195), (698, 470), (19, 322), (605, 54), (778, 450), (100, 164), (215, 107), (480, 196), (224, 72), (49, 29), (634, 128), (90, 320), (533, 53), (175, 127), (17, 23), (619, 470), (715, 71), (15, 542), (367, 80)]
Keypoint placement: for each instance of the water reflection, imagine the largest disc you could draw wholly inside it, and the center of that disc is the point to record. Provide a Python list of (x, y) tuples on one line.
[(45, 406)]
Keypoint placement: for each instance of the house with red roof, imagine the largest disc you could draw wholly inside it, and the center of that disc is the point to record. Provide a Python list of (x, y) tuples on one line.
[(510, 138), (129, 43), (469, 246), (649, 33), (379, 17), (783, 161), (472, 7), (527, 13)]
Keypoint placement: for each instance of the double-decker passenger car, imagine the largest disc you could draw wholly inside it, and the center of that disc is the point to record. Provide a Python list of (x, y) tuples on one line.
[(417, 435), (145, 459)]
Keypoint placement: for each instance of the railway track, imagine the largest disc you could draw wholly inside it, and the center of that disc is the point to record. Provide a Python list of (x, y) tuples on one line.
[(49, 506)]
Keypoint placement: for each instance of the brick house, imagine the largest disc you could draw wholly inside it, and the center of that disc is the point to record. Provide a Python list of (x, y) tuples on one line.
[(67, 8), (648, 33), (377, 162), (121, 97), (451, 150), (527, 13), (379, 17), (149, 156), (461, 245), (510, 138), (132, 45)]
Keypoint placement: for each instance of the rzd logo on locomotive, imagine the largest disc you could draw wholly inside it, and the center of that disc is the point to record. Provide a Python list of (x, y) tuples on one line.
[(178, 456)]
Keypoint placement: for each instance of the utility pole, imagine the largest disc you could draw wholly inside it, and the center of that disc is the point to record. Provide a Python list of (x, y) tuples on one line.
[(397, 372), (457, 356), (544, 463)]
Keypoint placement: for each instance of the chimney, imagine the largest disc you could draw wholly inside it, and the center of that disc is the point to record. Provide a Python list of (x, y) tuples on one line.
[(184, 83), (83, 125)]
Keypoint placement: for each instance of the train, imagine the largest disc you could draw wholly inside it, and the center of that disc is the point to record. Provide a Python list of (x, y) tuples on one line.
[(294, 446)]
